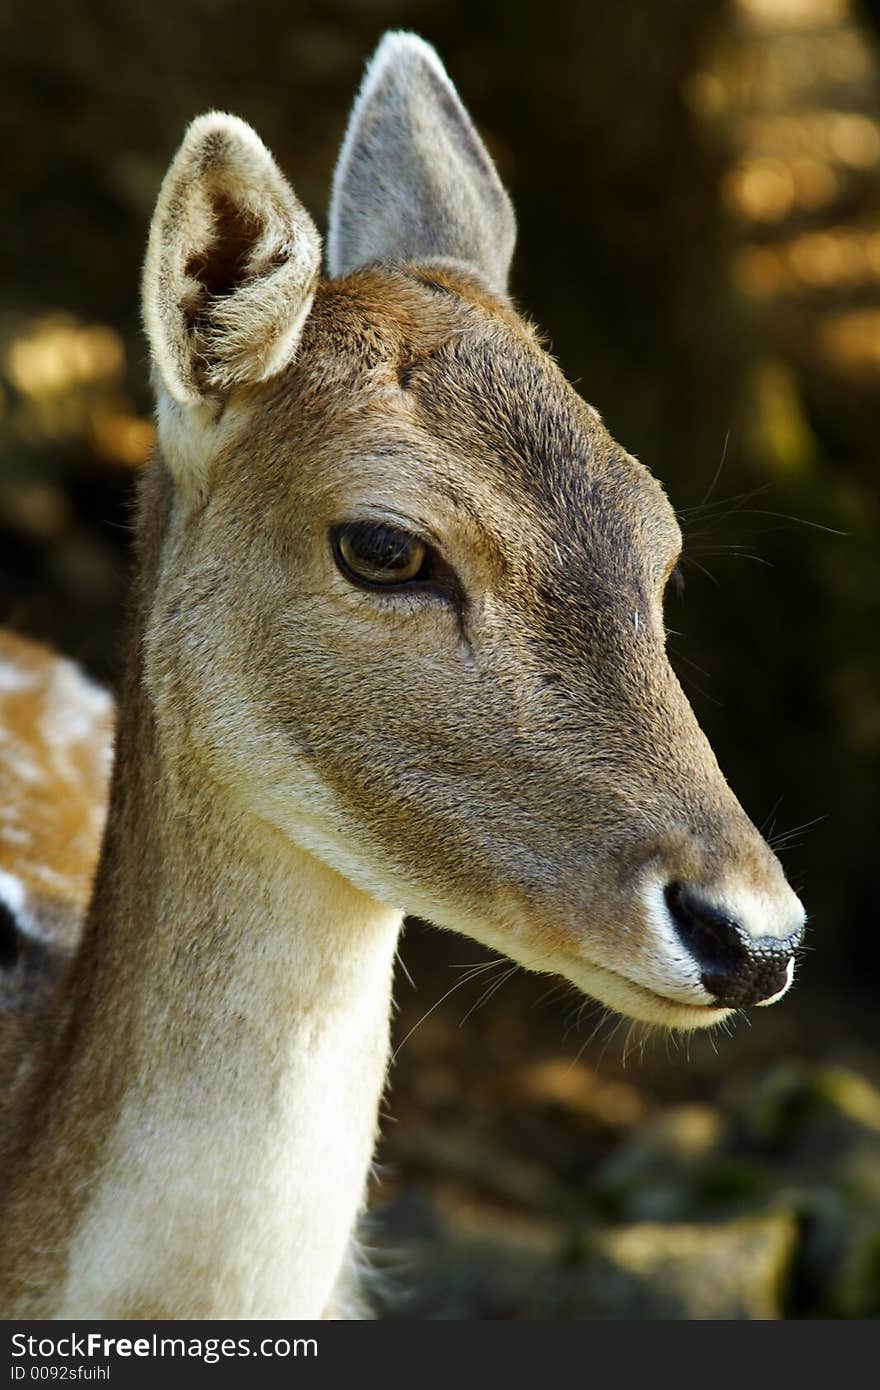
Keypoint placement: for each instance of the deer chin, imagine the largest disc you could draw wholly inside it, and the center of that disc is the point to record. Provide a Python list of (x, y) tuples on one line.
[(636, 1001)]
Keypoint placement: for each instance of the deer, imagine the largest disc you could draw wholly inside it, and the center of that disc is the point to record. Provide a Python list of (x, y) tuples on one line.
[(395, 645)]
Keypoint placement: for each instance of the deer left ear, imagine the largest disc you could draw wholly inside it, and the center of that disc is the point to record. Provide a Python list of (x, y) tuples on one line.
[(414, 181), (232, 264)]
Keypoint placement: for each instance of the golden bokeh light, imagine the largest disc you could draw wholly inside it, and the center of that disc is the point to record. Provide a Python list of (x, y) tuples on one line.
[(57, 353), (851, 342), (66, 381)]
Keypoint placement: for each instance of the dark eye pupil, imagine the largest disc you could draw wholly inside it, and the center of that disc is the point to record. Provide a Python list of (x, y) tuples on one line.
[(380, 546), (370, 553)]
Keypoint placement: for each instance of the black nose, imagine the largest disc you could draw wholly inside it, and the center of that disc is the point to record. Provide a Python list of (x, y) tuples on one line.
[(735, 968)]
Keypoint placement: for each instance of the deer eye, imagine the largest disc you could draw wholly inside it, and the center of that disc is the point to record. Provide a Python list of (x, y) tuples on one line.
[(369, 553)]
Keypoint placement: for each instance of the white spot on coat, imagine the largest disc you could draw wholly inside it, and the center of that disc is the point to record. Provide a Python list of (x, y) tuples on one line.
[(13, 680)]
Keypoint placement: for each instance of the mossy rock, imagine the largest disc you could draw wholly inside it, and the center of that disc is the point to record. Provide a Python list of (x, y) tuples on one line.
[(735, 1270), (476, 1264), (858, 1289), (795, 1098)]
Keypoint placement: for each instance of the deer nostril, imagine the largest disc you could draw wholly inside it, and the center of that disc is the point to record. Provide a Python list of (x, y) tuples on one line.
[(735, 968), (714, 939)]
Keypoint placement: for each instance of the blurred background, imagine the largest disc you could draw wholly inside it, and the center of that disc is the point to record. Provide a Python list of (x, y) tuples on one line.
[(698, 191)]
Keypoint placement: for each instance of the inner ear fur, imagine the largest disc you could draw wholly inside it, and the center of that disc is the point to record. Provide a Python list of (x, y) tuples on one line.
[(232, 264)]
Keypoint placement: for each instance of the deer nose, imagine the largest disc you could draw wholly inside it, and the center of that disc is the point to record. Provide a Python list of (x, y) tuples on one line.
[(736, 968)]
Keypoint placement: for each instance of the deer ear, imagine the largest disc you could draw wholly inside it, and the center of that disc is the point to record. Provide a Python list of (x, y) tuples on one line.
[(414, 181), (232, 263)]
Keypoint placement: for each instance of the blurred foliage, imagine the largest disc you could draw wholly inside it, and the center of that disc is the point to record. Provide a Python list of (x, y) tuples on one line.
[(698, 190)]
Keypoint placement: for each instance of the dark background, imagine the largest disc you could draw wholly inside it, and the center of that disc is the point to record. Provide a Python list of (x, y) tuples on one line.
[(698, 191)]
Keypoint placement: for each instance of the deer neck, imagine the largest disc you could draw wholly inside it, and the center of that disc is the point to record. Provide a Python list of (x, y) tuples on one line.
[(216, 1066), (253, 1054)]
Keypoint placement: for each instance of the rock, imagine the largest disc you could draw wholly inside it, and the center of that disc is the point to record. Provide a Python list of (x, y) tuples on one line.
[(857, 1288), (808, 1106), (454, 1260), (468, 1262), (735, 1270), (837, 1270), (651, 1175)]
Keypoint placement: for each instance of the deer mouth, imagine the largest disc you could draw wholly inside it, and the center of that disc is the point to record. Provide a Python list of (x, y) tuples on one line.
[(633, 1000)]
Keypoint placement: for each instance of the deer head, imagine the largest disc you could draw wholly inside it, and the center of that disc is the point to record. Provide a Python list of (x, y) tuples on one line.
[(409, 604)]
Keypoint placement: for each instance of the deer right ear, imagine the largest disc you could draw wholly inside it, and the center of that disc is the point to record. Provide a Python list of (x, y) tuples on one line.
[(231, 268)]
